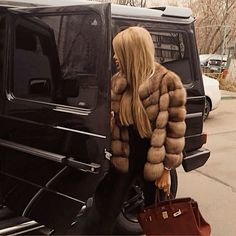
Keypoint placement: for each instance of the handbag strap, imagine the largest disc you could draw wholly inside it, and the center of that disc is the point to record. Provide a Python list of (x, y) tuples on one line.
[(168, 197)]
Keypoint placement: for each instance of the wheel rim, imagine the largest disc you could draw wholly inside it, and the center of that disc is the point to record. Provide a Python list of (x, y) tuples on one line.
[(133, 204), (135, 200)]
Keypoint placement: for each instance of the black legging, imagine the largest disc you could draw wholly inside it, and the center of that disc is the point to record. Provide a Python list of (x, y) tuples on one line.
[(112, 191)]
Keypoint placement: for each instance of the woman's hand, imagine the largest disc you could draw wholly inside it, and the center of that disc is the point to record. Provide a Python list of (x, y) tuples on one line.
[(164, 182)]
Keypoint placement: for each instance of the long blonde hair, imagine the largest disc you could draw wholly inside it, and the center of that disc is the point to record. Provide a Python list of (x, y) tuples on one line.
[(134, 50)]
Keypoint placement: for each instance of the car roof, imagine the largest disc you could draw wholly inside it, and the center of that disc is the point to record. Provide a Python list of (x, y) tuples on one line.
[(167, 13), (173, 14)]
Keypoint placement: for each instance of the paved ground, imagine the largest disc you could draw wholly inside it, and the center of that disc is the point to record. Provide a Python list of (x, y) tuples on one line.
[(215, 199), (228, 95), (214, 185)]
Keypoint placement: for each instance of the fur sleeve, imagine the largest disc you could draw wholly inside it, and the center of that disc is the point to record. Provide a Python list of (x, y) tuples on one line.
[(119, 135), (175, 127)]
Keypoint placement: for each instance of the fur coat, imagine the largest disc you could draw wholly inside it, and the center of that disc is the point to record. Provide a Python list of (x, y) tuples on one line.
[(163, 97)]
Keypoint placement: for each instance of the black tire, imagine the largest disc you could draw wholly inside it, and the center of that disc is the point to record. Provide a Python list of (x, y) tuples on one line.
[(207, 108), (127, 222)]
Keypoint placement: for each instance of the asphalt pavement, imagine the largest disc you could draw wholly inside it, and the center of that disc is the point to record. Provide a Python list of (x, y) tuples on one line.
[(213, 186), (215, 200)]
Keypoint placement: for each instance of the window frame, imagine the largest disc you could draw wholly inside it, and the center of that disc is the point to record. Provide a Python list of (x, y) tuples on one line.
[(59, 106)]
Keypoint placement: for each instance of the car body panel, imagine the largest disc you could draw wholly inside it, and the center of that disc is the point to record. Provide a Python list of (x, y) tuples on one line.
[(215, 63), (212, 91), (41, 160)]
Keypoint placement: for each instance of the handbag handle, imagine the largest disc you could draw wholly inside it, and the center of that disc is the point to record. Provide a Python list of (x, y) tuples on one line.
[(168, 197)]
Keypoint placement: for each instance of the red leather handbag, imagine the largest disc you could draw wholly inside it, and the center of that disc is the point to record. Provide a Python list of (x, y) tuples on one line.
[(174, 217)]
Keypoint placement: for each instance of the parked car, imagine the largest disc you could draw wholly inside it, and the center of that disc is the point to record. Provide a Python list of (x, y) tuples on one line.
[(213, 94), (56, 66), (215, 63)]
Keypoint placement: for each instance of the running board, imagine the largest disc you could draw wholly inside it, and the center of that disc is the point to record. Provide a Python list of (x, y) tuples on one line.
[(10, 224)]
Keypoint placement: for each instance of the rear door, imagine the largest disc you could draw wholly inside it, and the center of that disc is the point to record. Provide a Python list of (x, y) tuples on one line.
[(54, 122)]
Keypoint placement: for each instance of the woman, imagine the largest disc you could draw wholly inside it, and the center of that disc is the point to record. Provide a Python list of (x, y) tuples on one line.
[(148, 107)]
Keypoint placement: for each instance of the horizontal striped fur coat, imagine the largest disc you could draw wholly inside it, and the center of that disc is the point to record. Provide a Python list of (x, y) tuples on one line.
[(163, 97)]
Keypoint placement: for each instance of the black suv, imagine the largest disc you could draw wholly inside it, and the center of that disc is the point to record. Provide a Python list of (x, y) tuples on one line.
[(55, 70)]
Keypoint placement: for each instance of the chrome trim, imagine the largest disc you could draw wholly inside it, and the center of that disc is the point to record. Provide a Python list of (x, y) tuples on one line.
[(66, 110), (33, 151), (196, 98), (202, 152), (10, 230), (91, 167), (61, 108), (80, 132), (86, 167), (28, 230), (194, 115)]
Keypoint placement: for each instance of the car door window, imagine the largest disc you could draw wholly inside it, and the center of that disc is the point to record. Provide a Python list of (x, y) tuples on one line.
[(171, 50), (171, 46), (52, 76), (32, 69)]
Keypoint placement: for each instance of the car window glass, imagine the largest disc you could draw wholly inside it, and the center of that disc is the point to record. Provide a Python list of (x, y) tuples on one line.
[(171, 47), (31, 64), (168, 46), (77, 49), (171, 51)]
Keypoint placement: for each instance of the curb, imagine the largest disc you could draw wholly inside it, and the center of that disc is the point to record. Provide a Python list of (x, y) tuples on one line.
[(225, 97)]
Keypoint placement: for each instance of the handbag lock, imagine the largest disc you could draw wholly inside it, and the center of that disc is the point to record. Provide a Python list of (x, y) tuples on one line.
[(165, 215), (177, 213)]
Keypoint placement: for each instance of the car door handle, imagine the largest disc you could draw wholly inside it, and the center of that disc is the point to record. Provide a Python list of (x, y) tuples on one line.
[(82, 166), (92, 167), (32, 151)]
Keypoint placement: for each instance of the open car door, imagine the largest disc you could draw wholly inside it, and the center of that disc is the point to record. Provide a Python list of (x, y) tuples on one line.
[(54, 121)]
